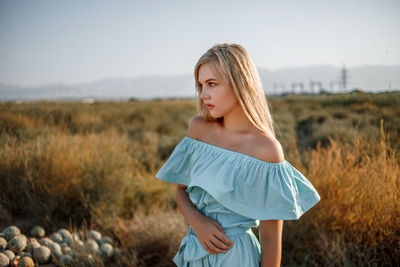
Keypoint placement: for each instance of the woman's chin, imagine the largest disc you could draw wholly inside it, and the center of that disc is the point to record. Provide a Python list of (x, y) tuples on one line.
[(213, 114), (216, 116)]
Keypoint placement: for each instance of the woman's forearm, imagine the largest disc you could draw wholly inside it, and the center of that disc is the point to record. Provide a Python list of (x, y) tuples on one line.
[(271, 251), (271, 242), (188, 210)]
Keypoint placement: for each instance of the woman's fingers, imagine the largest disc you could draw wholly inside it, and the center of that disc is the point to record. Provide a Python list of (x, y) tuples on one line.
[(214, 247), (219, 245), (208, 248), (222, 235), (224, 239), (213, 237)]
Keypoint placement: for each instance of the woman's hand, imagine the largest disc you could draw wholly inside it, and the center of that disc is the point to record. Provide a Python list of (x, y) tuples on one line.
[(211, 235)]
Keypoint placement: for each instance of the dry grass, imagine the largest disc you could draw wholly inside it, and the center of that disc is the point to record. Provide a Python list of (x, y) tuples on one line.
[(75, 177), (152, 238), (64, 164), (366, 179), (357, 221)]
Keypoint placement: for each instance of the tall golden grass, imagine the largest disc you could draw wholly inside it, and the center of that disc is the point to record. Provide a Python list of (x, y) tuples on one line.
[(68, 164), (77, 177), (357, 221)]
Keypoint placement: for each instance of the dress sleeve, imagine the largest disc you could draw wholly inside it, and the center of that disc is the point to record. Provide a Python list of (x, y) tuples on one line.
[(177, 168)]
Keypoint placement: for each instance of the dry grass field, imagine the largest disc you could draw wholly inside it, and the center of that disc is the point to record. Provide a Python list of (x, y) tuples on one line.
[(73, 165)]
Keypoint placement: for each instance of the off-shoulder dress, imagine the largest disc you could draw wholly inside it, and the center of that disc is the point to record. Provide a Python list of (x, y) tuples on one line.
[(236, 190)]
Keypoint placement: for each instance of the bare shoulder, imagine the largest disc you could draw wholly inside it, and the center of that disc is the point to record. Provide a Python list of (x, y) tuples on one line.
[(268, 149), (197, 126)]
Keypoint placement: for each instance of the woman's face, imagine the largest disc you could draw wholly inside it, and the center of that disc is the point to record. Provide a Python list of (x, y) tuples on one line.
[(215, 91)]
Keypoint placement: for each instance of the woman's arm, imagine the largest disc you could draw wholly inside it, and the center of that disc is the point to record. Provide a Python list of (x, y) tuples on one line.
[(210, 234), (271, 242)]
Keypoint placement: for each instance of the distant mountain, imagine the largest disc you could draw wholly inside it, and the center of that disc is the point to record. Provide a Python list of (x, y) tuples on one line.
[(145, 87), (368, 78)]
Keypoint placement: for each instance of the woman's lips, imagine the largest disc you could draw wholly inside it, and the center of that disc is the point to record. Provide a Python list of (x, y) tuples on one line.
[(210, 106)]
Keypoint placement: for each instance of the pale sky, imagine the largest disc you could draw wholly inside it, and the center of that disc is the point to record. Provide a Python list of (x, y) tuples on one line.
[(74, 41)]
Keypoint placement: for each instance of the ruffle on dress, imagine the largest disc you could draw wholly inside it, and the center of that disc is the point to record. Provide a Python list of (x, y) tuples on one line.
[(249, 186)]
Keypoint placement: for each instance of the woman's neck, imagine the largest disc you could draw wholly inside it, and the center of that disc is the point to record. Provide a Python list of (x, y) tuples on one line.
[(236, 122)]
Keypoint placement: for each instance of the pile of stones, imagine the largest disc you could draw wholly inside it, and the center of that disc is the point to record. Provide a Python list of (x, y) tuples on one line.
[(61, 247)]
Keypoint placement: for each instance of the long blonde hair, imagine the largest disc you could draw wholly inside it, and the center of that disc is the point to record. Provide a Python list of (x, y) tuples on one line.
[(235, 65)]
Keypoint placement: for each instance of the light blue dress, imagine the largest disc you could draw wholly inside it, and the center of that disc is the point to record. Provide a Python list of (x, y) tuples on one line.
[(236, 190)]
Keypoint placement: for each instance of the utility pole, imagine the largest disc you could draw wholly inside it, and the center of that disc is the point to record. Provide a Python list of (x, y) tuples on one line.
[(299, 84), (343, 78), (315, 83)]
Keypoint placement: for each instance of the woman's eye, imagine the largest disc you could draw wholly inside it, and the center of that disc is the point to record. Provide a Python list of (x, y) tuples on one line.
[(200, 85), (212, 84)]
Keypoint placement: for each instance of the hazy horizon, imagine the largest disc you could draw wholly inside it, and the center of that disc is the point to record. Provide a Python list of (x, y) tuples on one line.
[(47, 41)]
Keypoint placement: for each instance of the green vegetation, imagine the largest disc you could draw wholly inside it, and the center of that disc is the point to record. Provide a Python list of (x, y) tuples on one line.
[(65, 164)]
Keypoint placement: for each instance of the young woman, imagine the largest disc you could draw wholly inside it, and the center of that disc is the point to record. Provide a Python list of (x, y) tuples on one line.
[(230, 170)]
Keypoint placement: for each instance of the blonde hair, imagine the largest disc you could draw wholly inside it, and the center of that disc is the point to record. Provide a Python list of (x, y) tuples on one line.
[(235, 65)]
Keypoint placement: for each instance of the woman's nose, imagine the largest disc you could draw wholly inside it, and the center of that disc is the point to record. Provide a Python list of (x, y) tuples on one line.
[(204, 94)]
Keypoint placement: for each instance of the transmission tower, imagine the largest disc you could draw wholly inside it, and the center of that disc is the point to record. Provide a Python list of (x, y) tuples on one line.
[(315, 83), (343, 78), (300, 84)]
